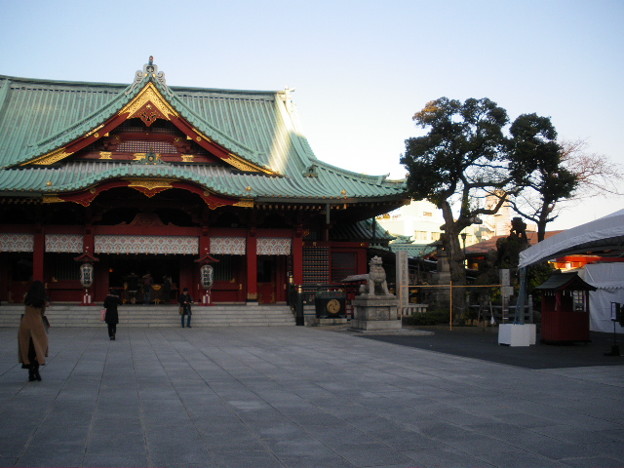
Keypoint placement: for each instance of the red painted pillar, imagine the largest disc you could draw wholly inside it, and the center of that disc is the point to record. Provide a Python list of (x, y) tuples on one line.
[(88, 247), (100, 282), (297, 257), (88, 242), (204, 243), (362, 260), (204, 250), (252, 266), (38, 254)]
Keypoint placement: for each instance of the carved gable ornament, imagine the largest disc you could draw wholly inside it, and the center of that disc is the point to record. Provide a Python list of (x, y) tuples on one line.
[(149, 105)]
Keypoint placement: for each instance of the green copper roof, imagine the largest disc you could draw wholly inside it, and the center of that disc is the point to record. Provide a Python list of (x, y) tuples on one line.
[(366, 230), (41, 116), (77, 176), (413, 250)]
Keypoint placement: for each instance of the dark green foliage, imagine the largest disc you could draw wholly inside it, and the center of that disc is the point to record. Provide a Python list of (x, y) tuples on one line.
[(462, 150), (538, 274), (431, 317), (538, 166), (508, 252)]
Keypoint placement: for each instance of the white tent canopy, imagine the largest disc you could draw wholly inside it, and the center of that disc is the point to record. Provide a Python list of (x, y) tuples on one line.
[(608, 279), (604, 236)]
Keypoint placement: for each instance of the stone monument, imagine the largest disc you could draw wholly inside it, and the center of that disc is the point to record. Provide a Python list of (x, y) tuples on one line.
[(374, 308)]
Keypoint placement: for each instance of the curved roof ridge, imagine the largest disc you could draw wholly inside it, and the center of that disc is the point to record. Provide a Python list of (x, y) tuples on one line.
[(287, 112), (20, 79), (373, 179), (177, 88), (77, 176), (210, 130), (80, 127), (124, 171), (81, 123)]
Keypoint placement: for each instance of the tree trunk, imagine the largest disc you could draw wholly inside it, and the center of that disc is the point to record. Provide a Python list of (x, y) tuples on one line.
[(541, 226), (456, 259)]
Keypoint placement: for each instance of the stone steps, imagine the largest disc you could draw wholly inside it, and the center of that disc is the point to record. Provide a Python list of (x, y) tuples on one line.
[(158, 316)]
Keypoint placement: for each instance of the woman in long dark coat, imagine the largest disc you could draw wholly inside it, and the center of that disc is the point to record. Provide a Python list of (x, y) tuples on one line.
[(32, 338), (112, 316)]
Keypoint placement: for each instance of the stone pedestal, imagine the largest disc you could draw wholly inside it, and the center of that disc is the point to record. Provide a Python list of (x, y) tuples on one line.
[(375, 313)]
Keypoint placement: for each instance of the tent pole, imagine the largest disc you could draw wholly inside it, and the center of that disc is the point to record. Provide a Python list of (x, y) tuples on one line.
[(519, 316)]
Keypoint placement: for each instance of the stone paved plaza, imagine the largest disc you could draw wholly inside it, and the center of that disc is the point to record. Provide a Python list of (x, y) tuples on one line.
[(297, 397)]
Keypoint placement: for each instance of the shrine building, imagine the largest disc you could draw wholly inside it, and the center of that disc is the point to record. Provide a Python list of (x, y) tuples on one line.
[(120, 181)]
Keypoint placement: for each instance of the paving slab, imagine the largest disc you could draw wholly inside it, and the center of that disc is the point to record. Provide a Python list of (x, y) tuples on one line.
[(299, 396)]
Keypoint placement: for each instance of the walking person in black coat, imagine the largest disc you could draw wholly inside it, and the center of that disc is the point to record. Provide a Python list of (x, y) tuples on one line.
[(112, 316), (185, 301)]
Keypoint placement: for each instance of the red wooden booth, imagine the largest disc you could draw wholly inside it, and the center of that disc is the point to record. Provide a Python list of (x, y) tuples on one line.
[(565, 308)]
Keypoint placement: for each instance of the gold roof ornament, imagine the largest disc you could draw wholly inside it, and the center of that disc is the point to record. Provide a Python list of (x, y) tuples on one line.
[(149, 105)]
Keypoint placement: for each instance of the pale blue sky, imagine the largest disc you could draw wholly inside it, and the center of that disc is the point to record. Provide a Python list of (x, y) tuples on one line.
[(361, 68)]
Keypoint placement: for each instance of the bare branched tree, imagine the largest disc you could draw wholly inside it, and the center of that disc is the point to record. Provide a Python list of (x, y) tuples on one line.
[(571, 174), (597, 175)]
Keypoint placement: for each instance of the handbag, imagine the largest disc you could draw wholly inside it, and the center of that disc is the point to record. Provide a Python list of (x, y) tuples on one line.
[(181, 310), (103, 315)]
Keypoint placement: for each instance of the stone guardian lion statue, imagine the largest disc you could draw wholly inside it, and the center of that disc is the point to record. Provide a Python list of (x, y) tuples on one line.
[(376, 284)]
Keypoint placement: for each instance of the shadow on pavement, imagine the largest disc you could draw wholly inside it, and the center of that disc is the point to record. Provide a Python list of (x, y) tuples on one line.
[(483, 344)]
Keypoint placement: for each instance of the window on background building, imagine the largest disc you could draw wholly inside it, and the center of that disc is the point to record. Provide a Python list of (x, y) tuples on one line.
[(421, 235), (435, 236), (427, 214)]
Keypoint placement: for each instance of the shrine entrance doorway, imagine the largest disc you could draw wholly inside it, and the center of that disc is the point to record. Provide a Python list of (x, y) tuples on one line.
[(126, 276), (272, 279)]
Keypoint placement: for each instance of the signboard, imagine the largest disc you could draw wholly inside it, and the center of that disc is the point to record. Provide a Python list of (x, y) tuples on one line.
[(402, 277), (507, 291), (504, 277)]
